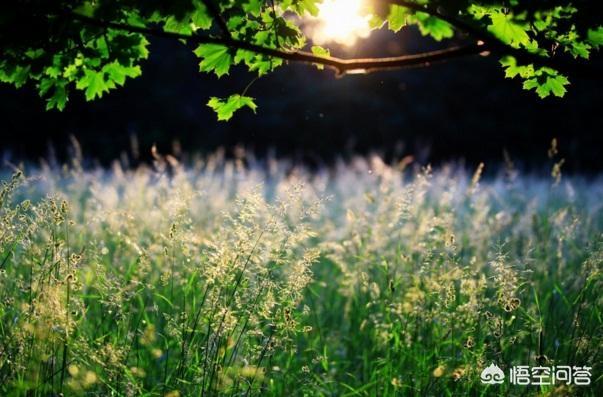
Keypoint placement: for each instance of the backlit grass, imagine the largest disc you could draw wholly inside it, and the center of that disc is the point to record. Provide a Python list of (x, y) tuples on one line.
[(363, 280)]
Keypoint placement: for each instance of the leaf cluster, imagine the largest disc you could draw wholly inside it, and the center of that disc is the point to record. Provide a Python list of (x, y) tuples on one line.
[(96, 46)]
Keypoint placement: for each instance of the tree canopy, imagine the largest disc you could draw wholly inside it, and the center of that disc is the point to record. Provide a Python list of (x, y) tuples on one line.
[(95, 46)]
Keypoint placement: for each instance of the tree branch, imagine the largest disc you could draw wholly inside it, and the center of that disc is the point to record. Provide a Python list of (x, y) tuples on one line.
[(341, 66), (499, 47), (215, 12)]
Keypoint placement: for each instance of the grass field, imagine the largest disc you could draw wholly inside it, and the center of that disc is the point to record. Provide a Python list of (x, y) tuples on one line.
[(362, 280)]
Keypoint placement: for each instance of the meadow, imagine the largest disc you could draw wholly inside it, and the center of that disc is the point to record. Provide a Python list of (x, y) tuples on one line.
[(230, 278)]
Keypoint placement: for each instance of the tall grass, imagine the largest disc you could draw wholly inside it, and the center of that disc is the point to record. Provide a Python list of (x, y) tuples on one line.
[(365, 280)]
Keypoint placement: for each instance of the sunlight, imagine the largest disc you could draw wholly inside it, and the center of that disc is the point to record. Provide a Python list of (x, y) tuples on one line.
[(341, 21)]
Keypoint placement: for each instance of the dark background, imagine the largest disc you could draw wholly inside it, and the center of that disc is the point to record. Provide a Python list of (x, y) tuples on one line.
[(461, 110)]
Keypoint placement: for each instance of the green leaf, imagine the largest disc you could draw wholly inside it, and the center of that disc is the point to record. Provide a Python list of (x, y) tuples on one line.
[(94, 84), (264, 37), (572, 44), (126, 48), (376, 21), (547, 82), (321, 52), (253, 7), (58, 99), (478, 11), (16, 75), (87, 8), (397, 17), (175, 25), (262, 64), (216, 58), (507, 30), (556, 85), (300, 7), (244, 56), (595, 37), (580, 49), (289, 34), (226, 108), (140, 49), (118, 72), (256, 62), (512, 69), (434, 27), (201, 18), (102, 47)]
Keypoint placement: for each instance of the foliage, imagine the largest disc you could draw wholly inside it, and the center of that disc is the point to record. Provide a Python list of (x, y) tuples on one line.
[(365, 282), (225, 109), (544, 80), (95, 46)]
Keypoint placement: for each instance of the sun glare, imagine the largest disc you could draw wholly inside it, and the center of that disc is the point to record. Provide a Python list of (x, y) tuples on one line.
[(341, 21)]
